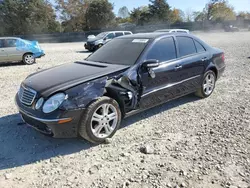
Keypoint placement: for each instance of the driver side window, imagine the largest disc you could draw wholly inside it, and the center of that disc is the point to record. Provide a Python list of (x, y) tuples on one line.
[(163, 50), (1, 43), (10, 43), (110, 36)]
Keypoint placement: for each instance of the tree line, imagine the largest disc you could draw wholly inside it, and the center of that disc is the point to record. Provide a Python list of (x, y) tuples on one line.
[(18, 17)]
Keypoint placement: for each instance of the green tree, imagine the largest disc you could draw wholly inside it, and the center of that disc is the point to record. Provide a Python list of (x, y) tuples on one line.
[(72, 14), (219, 10), (160, 11), (244, 15), (27, 17), (123, 12), (177, 15), (140, 15), (199, 16), (99, 14)]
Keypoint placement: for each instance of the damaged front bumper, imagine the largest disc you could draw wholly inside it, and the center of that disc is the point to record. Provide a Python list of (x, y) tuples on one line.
[(89, 46), (60, 124)]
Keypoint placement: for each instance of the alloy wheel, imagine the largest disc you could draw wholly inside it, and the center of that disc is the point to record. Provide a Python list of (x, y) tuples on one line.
[(29, 59), (104, 120), (209, 84)]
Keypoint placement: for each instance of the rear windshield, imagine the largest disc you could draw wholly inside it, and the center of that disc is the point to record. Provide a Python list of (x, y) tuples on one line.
[(120, 51)]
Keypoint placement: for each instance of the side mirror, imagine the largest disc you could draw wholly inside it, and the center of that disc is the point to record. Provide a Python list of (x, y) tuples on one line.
[(151, 63)]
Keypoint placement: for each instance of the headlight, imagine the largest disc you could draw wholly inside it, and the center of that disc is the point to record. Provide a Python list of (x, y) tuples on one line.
[(97, 42), (53, 102), (39, 103)]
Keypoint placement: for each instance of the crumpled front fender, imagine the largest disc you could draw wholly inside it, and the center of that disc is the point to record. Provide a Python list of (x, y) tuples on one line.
[(80, 96)]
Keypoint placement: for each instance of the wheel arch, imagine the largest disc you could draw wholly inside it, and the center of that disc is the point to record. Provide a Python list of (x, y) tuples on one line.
[(213, 68), (113, 95), (27, 53)]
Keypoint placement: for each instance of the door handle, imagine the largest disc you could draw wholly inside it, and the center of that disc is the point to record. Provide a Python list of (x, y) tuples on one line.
[(178, 67), (204, 59)]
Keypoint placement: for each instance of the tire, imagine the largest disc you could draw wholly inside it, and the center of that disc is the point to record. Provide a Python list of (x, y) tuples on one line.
[(28, 59), (207, 85), (98, 46), (95, 125)]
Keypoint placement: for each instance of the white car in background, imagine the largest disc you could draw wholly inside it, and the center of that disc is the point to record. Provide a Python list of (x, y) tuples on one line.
[(172, 31)]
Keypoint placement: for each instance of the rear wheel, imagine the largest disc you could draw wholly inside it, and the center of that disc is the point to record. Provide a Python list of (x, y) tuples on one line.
[(29, 59), (101, 120), (208, 85)]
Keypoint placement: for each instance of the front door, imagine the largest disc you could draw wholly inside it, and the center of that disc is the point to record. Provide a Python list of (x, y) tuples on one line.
[(109, 37), (11, 50), (159, 84), (3, 54)]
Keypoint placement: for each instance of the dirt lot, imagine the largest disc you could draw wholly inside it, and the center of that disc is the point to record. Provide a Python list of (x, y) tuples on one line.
[(191, 142)]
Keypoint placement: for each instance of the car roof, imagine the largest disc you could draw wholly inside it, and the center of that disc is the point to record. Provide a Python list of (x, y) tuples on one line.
[(9, 38), (116, 31), (163, 30), (154, 35), (166, 30)]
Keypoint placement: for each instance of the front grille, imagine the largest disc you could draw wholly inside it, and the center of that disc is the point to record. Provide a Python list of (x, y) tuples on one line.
[(27, 96)]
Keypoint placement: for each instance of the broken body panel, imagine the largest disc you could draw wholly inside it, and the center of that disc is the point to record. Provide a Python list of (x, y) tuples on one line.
[(136, 87)]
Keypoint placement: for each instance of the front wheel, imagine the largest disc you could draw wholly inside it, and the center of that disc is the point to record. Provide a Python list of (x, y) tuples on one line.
[(29, 59), (208, 85), (98, 46), (101, 120)]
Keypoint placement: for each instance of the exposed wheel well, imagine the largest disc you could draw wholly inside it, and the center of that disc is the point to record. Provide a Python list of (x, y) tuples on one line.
[(119, 101), (214, 70)]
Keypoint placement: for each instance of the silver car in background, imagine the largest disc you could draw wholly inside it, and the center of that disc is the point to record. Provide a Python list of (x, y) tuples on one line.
[(14, 49), (95, 42)]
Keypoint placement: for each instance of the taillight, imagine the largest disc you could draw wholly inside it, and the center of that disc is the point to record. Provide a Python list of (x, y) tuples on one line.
[(223, 57)]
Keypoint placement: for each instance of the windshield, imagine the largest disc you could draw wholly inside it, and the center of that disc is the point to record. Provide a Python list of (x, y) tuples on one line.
[(101, 35), (120, 51)]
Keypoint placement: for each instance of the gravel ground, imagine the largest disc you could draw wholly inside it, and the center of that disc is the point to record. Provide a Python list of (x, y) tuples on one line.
[(184, 143)]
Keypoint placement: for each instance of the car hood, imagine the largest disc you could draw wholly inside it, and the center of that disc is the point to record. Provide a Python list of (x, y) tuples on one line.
[(94, 39), (67, 76)]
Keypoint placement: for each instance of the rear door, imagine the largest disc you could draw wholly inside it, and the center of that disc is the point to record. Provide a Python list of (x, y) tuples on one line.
[(127, 33), (164, 86), (3, 54), (119, 34), (191, 61), (11, 50)]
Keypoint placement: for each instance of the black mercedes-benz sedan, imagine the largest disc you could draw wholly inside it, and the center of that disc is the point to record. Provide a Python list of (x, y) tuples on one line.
[(130, 74)]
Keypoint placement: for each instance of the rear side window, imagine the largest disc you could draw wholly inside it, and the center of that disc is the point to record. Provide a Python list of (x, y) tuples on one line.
[(10, 43), (163, 50), (186, 46), (199, 47), (118, 34), (127, 33), (1, 43)]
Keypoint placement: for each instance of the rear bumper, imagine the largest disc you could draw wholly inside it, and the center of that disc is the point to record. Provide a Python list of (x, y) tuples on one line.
[(221, 71)]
